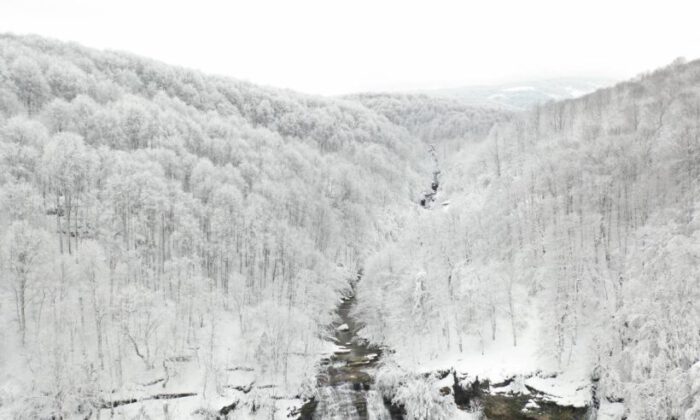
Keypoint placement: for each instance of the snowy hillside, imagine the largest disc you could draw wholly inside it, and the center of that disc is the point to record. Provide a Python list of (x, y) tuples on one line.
[(561, 253), (155, 220), (168, 235)]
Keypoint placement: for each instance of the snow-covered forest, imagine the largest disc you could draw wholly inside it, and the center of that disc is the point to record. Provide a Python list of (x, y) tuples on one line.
[(176, 245), (566, 243), (163, 225)]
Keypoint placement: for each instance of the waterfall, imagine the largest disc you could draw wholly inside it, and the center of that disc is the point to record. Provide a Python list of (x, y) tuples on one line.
[(343, 402)]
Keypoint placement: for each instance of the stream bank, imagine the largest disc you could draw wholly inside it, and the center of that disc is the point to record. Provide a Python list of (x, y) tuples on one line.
[(499, 401)]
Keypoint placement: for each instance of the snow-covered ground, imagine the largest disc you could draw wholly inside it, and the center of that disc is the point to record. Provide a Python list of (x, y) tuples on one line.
[(229, 374), (256, 394), (501, 361)]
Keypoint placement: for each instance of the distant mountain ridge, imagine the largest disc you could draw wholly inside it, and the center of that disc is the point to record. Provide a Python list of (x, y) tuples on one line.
[(523, 95)]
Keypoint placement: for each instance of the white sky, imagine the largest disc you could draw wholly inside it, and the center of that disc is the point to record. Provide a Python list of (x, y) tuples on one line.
[(332, 47)]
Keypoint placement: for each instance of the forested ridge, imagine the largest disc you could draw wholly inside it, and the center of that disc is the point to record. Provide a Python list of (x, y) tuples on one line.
[(150, 213), (442, 121)]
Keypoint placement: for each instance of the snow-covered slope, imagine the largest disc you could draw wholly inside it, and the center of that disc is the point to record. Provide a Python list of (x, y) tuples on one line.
[(566, 252), (176, 242)]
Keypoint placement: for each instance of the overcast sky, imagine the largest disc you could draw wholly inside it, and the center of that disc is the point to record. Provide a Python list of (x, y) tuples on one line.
[(331, 47)]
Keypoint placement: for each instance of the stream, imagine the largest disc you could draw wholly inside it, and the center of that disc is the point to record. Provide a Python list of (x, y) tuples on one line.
[(345, 384)]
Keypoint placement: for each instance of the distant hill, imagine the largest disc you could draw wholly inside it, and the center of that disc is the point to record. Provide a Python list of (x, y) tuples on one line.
[(523, 95), (432, 118)]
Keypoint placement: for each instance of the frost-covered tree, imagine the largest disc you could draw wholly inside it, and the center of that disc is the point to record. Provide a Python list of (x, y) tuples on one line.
[(24, 250), (29, 83)]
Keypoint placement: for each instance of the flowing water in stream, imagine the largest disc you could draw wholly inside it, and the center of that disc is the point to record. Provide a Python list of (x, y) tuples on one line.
[(345, 386)]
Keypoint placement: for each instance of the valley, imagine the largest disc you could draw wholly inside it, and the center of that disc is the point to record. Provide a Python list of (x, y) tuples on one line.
[(176, 245)]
